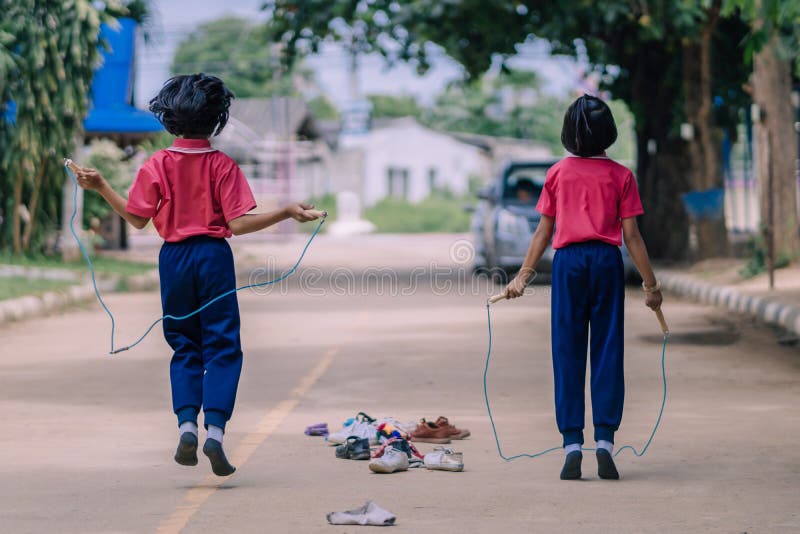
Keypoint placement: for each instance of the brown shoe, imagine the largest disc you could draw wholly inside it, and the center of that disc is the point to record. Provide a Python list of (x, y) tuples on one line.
[(454, 433), (430, 433)]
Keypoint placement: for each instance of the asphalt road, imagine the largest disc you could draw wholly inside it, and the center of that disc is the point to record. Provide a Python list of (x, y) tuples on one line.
[(87, 439)]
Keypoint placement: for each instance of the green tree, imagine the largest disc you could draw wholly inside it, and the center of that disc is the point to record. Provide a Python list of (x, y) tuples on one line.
[(322, 108), (48, 52), (478, 107), (655, 56), (389, 106), (772, 49), (237, 51)]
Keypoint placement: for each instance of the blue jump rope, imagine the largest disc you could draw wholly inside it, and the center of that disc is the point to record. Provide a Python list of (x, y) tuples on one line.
[(288, 273), (114, 350), (664, 330)]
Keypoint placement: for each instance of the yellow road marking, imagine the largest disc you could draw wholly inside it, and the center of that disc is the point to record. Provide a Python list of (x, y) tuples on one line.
[(204, 489)]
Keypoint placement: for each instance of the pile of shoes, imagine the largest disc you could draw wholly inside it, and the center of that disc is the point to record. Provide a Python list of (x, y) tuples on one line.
[(388, 443)]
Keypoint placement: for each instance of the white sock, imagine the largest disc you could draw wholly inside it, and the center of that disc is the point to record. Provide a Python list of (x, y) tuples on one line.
[(607, 445), (187, 426), (215, 432), (572, 447)]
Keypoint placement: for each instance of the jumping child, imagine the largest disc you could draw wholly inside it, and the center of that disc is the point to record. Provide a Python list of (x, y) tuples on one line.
[(591, 200), (197, 197)]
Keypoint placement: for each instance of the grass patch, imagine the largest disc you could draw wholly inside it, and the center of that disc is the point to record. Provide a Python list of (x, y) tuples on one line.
[(437, 213), (102, 265), (20, 286)]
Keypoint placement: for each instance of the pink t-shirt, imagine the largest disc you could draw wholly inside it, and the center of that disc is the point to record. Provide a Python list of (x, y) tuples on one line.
[(190, 189), (589, 197)]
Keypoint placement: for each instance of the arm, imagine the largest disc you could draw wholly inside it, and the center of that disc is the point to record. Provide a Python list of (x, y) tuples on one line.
[(539, 242), (92, 180), (254, 222), (638, 252)]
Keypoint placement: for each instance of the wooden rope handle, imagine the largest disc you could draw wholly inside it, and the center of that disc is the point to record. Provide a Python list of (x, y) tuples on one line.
[(497, 298), (317, 213), (72, 166), (662, 321)]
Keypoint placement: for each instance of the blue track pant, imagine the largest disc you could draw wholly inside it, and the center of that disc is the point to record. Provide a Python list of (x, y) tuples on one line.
[(207, 358), (588, 284)]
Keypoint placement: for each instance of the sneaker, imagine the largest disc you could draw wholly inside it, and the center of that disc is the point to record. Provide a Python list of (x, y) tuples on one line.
[(186, 454), (354, 449), (363, 427), (430, 433), (320, 429), (390, 461), (605, 465), (572, 466), (444, 459), (455, 433)]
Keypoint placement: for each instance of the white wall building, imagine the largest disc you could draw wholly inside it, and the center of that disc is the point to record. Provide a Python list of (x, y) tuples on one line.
[(404, 159)]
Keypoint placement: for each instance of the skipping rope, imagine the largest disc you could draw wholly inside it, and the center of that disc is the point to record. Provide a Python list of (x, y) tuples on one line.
[(115, 350), (665, 331)]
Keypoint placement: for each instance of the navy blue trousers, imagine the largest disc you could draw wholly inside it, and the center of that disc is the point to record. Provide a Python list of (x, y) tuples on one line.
[(588, 284), (207, 358)]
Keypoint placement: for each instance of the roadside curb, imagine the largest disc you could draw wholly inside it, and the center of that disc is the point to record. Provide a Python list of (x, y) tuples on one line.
[(38, 305), (765, 309)]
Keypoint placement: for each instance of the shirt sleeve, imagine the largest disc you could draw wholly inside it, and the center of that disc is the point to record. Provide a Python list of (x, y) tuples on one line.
[(145, 194), (630, 205), (547, 199), (235, 196)]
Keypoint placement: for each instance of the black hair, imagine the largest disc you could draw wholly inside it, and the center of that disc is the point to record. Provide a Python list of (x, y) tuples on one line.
[(193, 105), (526, 184), (589, 127)]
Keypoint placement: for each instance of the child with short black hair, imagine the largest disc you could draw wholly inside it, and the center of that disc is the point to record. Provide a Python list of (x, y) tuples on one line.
[(591, 200), (197, 197)]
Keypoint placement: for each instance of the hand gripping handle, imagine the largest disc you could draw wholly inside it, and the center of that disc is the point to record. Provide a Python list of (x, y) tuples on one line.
[(497, 298), (317, 213)]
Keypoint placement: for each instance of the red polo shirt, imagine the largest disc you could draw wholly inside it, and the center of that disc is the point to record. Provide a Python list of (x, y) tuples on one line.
[(589, 197), (190, 189)]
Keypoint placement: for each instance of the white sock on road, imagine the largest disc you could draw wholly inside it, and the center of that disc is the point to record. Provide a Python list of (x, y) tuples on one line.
[(187, 426), (572, 447), (607, 445), (215, 432)]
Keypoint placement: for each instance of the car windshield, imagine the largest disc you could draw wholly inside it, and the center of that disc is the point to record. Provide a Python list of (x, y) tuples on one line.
[(523, 185)]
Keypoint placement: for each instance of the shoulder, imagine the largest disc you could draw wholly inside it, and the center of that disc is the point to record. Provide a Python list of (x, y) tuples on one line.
[(618, 169), (222, 161), (154, 162), (557, 167)]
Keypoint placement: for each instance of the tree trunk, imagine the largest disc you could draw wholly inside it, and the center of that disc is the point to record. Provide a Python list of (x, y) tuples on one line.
[(662, 159), (772, 85), (16, 222), (34, 205), (705, 150)]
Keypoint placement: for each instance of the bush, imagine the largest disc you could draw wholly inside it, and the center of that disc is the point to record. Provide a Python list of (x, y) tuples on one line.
[(437, 213), (757, 263)]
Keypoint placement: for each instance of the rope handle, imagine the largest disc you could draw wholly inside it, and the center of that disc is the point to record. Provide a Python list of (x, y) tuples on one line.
[(317, 213)]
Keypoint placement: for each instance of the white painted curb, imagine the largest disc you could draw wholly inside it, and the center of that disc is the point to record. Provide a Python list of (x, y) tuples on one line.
[(763, 308)]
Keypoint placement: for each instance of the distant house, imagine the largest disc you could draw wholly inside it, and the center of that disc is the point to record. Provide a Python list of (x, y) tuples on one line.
[(403, 159)]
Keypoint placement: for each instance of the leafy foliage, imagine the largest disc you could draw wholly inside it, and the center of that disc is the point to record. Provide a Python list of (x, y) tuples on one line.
[(237, 51), (508, 105), (48, 52), (390, 106), (105, 156)]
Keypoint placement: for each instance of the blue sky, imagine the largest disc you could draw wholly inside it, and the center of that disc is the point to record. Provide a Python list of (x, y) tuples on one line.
[(175, 19)]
